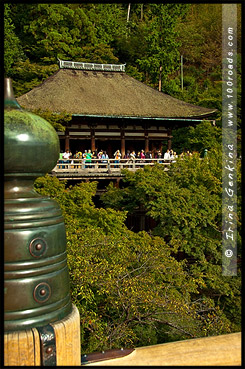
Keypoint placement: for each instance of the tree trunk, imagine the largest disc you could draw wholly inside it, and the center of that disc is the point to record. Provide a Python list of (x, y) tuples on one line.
[(129, 5)]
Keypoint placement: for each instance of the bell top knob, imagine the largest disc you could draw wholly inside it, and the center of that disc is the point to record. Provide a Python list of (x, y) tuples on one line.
[(31, 144), (9, 98)]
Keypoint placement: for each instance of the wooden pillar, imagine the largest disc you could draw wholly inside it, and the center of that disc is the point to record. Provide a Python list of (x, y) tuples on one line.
[(170, 138), (109, 150), (146, 142), (67, 140), (92, 140), (122, 143), (142, 218), (23, 348), (160, 146), (116, 184)]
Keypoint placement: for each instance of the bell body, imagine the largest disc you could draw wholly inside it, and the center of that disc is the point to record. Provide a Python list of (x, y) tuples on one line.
[(36, 279), (36, 289)]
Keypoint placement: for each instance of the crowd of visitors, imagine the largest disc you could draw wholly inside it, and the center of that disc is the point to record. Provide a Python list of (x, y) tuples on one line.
[(88, 156)]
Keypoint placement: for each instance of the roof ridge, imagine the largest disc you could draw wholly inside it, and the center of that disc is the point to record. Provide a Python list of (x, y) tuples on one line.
[(91, 66)]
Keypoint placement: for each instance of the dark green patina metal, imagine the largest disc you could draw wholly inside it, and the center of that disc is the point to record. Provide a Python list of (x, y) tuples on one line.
[(36, 279)]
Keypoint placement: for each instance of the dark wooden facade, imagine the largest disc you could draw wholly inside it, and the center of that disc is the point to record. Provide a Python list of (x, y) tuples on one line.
[(112, 134)]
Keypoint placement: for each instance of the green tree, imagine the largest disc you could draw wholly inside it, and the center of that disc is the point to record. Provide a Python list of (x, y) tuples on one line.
[(58, 120), (203, 136), (12, 47), (66, 31), (129, 289), (27, 75), (186, 204), (162, 46), (200, 38), (108, 20), (200, 34), (58, 31), (54, 31)]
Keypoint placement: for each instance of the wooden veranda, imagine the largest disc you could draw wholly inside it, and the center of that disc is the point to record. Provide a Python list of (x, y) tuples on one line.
[(101, 169)]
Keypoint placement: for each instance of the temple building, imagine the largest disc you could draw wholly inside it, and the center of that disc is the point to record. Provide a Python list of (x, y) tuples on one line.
[(111, 110)]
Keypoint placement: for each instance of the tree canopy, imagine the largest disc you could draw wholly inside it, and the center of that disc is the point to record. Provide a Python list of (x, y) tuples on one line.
[(186, 204), (136, 289)]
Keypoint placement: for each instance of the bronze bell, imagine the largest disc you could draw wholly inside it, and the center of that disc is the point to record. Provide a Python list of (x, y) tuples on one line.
[(36, 279)]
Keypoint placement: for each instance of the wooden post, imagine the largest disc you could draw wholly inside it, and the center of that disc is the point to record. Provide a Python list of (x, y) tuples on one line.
[(67, 140), (169, 139), (142, 218), (109, 149), (160, 146), (92, 140), (23, 348), (122, 143), (146, 142)]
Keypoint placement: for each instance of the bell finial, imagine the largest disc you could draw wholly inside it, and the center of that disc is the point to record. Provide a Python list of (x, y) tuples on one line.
[(9, 98)]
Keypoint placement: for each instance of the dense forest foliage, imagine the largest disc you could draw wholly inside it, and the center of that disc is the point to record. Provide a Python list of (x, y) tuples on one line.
[(135, 289)]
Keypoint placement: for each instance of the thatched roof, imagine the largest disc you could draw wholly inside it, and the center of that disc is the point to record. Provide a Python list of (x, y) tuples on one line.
[(106, 93)]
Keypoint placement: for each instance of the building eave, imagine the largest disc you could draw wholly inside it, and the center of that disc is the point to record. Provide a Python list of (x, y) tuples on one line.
[(138, 117)]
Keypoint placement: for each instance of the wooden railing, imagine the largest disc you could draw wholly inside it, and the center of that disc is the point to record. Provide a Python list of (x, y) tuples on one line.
[(92, 66), (224, 350), (105, 165)]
